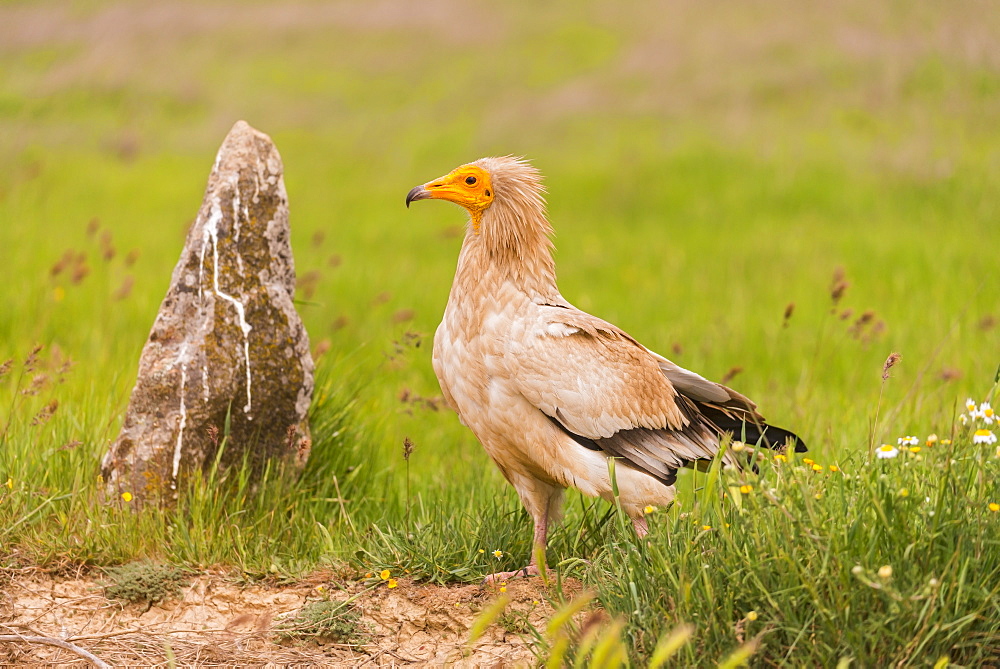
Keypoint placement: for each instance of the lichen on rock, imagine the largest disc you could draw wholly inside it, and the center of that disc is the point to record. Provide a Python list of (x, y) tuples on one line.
[(227, 347)]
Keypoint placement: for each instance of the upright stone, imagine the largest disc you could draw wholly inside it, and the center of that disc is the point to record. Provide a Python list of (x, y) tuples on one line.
[(228, 355)]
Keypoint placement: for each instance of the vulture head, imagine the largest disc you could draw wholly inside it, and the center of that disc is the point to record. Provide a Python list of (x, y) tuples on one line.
[(507, 188), (507, 222), (470, 186)]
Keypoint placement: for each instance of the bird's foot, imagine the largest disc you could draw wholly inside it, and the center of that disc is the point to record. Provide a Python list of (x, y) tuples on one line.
[(503, 576)]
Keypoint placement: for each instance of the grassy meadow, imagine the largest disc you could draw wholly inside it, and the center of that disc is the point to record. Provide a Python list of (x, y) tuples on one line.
[(776, 193)]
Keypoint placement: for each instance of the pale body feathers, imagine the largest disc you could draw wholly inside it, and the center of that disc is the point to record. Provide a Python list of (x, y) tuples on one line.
[(551, 391)]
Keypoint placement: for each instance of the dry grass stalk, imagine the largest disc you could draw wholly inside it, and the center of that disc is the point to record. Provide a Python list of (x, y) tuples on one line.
[(889, 363), (50, 641)]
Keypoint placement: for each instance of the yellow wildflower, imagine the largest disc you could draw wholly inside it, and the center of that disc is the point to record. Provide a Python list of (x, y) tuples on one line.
[(385, 574), (834, 468), (649, 509), (994, 507), (781, 457), (127, 496), (706, 528), (817, 468), (914, 449), (751, 616), (482, 550), (392, 583), (503, 588), (904, 492), (746, 489), (10, 483), (946, 442)]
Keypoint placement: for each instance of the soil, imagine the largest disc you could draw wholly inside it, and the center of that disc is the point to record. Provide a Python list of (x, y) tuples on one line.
[(218, 621)]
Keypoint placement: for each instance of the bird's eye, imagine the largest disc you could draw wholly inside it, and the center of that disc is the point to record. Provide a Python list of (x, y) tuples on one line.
[(470, 180)]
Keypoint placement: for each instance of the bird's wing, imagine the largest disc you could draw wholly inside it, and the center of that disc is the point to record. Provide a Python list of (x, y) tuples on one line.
[(607, 391), (726, 409), (693, 385)]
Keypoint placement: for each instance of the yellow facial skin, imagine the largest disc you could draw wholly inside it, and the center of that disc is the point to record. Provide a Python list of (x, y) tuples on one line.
[(468, 186)]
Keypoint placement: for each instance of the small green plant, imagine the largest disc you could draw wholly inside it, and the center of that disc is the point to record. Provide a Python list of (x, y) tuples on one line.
[(144, 582), (515, 622), (325, 621)]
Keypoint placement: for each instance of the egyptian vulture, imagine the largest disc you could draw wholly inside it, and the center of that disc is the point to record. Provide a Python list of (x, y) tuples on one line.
[(551, 391)]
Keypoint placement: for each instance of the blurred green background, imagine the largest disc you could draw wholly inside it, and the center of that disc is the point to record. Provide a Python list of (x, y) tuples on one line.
[(708, 164)]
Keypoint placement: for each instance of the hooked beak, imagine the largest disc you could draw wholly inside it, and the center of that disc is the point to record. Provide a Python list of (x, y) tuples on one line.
[(418, 193)]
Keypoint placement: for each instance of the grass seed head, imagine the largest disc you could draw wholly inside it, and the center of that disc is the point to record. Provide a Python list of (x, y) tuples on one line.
[(32, 360), (889, 363), (789, 310), (838, 286)]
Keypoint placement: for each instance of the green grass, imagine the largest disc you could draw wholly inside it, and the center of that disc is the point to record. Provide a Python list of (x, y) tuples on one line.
[(885, 561), (706, 168)]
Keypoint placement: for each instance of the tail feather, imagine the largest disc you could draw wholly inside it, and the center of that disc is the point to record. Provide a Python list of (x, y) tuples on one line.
[(748, 431)]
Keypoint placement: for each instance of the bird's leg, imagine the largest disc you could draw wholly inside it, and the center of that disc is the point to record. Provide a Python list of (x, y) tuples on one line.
[(641, 526), (537, 546)]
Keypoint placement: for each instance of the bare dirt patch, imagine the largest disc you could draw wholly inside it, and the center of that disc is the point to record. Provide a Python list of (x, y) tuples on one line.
[(217, 621)]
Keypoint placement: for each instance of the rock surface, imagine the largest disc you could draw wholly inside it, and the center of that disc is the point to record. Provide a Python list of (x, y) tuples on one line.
[(227, 346)]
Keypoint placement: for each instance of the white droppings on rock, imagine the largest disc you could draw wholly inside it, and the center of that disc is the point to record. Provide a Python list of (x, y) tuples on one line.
[(237, 228), (236, 216), (211, 235), (182, 358)]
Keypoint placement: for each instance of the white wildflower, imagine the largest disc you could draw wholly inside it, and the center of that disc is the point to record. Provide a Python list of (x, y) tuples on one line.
[(984, 437), (886, 451)]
